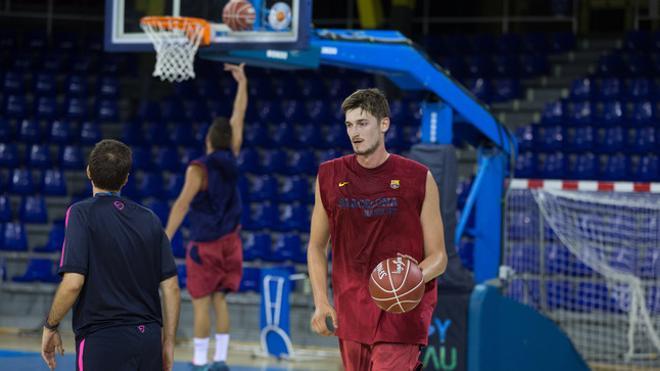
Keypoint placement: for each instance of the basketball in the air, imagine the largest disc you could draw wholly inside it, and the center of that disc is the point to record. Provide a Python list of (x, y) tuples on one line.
[(239, 15), (396, 285)]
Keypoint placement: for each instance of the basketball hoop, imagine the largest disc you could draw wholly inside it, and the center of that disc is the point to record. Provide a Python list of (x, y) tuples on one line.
[(176, 40)]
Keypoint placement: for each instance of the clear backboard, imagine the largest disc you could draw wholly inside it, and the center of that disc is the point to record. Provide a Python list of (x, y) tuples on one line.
[(278, 24)]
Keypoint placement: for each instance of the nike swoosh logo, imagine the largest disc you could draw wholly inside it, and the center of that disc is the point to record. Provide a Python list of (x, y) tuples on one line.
[(341, 184)]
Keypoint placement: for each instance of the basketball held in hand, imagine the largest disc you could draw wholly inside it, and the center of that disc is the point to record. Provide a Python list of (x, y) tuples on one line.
[(239, 15), (396, 285)]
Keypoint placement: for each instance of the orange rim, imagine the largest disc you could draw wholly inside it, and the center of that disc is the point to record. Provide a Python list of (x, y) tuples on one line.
[(179, 23)]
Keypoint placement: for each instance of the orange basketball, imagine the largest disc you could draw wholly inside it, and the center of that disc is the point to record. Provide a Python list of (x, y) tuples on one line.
[(239, 15), (396, 285)]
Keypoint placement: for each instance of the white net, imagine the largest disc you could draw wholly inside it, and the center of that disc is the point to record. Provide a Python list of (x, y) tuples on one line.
[(591, 262), (176, 40)]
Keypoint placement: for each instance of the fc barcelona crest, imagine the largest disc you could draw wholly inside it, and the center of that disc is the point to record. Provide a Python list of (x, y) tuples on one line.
[(395, 184)]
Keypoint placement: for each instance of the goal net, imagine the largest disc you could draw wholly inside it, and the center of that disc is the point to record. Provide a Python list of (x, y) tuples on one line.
[(591, 262)]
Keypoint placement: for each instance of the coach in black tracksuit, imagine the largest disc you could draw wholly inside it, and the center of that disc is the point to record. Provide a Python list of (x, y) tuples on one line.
[(114, 258)]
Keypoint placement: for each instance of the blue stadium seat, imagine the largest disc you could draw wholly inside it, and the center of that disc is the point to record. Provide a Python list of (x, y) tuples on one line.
[(60, 132), (642, 139), (181, 135), (7, 131), (287, 247), (557, 259), (130, 190), (639, 89), (38, 270), (526, 291), (649, 266), (582, 89), (36, 40), (172, 110), (66, 41), (581, 113), (22, 182), (637, 65), (312, 88), (284, 86), (327, 155), (9, 156), (6, 213), (132, 134), (301, 162), (508, 43), (554, 113), (282, 135), (108, 87), (645, 168), (76, 86), (521, 224), (582, 166), (16, 107), (273, 161), (46, 108), (201, 130), (256, 245), (478, 66), (549, 137), (182, 275), (336, 137), (594, 297), (75, 108), (624, 260), (156, 132), (262, 188), (149, 111), (534, 43), (524, 258), (174, 185), (261, 216), (55, 62), (482, 43), (107, 110), (71, 158), (189, 154), (637, 41), (610, 65), (167, 158), (609, 88), (267, 112), (506, 89), (30, 131), (506, 66), (643, 113), (610, 139), (579, 138), (33, 210), (90, 133), (613, 167), (197, 111), (552, 165), (293, 189), (256, 135), (248, 160), (316, 110), (481, 88), (160, 208), (142, 158), (308, 135), (532, 65), (39, 156), (611, 113), (293, 111), (151, 185), (293, 217), (55, 239), (45, 84), (251, 280), (13, 83), (54, 183), (15, 237)]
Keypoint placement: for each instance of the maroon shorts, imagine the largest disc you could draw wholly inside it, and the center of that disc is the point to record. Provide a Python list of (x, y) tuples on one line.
[(379, 357), (214, 265)]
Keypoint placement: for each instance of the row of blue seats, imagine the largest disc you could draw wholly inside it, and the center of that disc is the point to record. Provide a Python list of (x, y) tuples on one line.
[(588, 138), (612, 112), (70, 157), (57, 131), (493, 91), (496, 66), (32, 209), (579, 296), (68, 62), (641, 41), (11, 39), (509, 43), (628, 64), (560, 165), (275, 217), (48, 108), (613, 88), (46, 84)]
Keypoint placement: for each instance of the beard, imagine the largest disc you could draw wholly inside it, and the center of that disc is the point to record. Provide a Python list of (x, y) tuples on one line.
[(368, 151)]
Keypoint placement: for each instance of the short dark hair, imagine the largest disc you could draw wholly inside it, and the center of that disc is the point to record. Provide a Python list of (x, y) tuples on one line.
[(371, 100), (220, 134), (109, 164)]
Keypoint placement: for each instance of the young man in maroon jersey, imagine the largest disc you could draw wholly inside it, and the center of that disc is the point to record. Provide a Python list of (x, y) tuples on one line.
[(373, 205)]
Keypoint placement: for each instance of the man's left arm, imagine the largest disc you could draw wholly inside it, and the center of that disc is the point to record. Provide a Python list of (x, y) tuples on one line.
[(435, 255)]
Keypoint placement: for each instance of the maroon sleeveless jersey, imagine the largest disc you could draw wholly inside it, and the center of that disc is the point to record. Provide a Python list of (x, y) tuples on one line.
[(373, 215)]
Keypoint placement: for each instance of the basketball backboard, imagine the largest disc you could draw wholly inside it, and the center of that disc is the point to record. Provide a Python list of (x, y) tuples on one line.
[(279, 24)]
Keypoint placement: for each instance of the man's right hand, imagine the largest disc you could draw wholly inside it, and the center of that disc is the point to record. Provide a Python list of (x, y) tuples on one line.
[(318, 319), (168, 355)]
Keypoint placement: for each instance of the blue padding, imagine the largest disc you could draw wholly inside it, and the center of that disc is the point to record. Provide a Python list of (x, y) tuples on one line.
[(506, 335)]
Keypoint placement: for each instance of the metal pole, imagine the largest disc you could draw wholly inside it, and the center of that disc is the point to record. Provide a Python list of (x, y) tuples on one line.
[(505, 16), (425, 19)]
